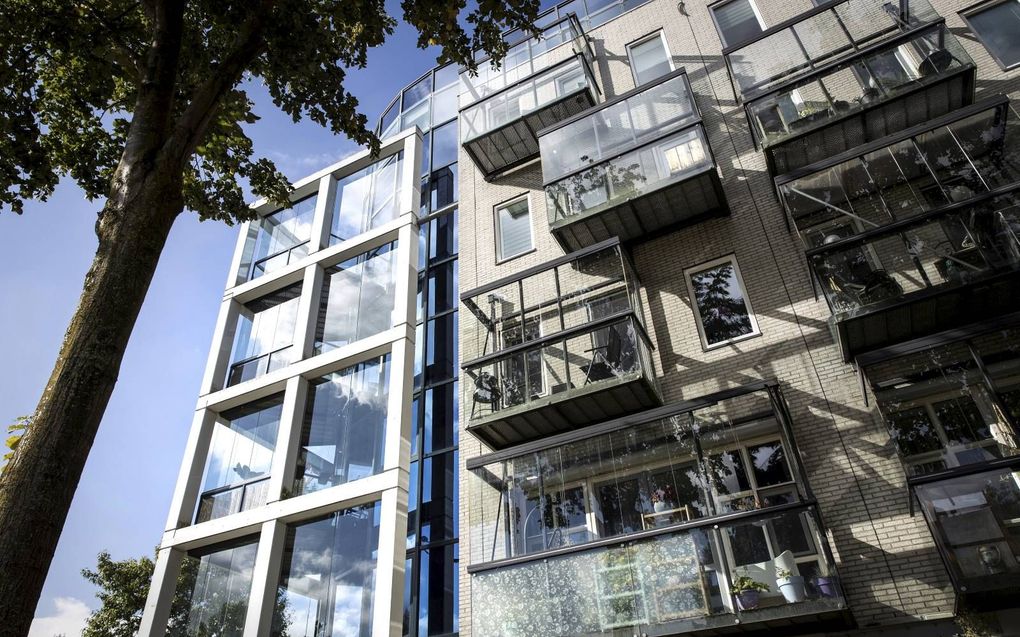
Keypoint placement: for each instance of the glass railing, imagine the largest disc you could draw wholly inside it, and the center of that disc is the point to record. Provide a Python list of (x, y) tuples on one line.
[(279, 259), (524, 59), (921, 57), (760, 566), (943, 249), (826, 34), (550, 86), (613, 350), (231, 499), (251, 368)]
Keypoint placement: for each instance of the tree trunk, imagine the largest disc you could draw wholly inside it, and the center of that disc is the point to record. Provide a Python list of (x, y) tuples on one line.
[(37, 486)]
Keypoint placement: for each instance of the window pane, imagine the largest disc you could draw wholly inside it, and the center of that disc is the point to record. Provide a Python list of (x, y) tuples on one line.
[(444, 148), (441, 344), (264, 335), (412, 504), (443, 187), (328, 580), (769, 464), (721, 306), (442, 288), (441, 417), (443, 237), (216, 587), (649, 60), (367, 199), (444, 105), (439, 486), (241, 451), (438, 612), (344, 427), (514, 225), (913, 431), (999, 30), (357, 299), (282, 238), (737, 21)]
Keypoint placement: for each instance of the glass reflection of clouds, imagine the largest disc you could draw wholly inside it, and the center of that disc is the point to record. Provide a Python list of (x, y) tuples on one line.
[(357, 298)]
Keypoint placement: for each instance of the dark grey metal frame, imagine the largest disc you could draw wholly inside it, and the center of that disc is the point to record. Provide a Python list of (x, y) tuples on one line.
[(978, 8)]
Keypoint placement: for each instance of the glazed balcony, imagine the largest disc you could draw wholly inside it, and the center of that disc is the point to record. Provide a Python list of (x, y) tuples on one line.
[(645, 525), (916, 233), (502, 109), (557, 347), (849, 72), (630, 167)]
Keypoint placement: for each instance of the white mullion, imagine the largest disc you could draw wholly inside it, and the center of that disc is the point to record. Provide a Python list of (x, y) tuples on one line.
[(156, 613), (182, 506), (222, 342), (308, 311), (321, 221), (265, 574), (389, 579), (288, 439)]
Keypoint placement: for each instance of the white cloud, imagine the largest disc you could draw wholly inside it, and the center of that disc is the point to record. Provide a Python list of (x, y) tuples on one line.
[(69, 619)]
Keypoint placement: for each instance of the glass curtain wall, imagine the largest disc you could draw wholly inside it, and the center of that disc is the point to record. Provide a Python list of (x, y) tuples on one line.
[(212, 591), (240, 458), (278, 240), (327, 584), (264, 336), (367, 199), (430, 585)]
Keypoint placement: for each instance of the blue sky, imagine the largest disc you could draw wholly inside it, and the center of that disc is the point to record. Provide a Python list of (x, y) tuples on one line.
[(122, 500)]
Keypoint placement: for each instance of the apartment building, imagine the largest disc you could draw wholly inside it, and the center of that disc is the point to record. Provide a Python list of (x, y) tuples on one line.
[(738, 352)]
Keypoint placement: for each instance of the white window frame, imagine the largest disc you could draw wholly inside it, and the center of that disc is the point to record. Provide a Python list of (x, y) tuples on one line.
[(644, 40), (754, 8), (500, 257), (979, 8), (708, 265)]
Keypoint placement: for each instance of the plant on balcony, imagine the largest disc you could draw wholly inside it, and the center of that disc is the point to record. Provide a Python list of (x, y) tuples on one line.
[(664, 499), (791, 586), (748, 591)]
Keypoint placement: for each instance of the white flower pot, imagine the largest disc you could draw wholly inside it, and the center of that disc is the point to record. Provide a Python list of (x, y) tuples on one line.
[(792, 588)]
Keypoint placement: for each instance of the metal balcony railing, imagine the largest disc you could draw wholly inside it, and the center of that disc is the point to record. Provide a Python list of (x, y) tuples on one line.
[(230, 499)]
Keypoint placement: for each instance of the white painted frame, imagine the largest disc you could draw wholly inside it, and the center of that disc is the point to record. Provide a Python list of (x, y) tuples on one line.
[(754, 8), (730, 258), (644, 40), (500, 257), (389, 487)]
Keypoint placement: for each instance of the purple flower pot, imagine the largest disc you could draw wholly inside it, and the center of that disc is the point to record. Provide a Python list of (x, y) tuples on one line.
[(748, 600), (826, 586)]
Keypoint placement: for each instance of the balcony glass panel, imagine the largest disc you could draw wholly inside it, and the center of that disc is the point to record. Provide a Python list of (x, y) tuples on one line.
[(514, 103), (357, 299), (368, 198), (213, 589), (523, 60), (975, 521), (923, 57), (730, 457), (240, 458), (785, 52), (278, 239), (344, 427), (680, 581), (327, 582), (942, 411), (264, 336)]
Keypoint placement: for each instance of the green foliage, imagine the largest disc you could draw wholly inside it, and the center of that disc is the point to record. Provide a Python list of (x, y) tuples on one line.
[(784, 574), (15, 431), (745, 583), (81, 78)]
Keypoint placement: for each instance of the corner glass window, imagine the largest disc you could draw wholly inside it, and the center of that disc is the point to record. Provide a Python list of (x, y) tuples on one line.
[(213, 588), (344, 429), (367, 199), (327, 585), (240, 458), (264, 337), (357, 299), (649, 58), (718, 294), (280, 239), (737, 21), (513, 229), (997, 25)]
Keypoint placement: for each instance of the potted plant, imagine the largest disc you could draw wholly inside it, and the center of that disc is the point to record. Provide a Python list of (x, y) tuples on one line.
[(747, 591), (663, 499), (791, 586)]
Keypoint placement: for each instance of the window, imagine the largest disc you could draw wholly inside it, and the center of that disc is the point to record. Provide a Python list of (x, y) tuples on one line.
[(357, 299), (214, 585), (513, 229), (263, 339), (328, 580), (721, 305), (367, 199), (938, 432), (649, 58), (344, 428), (279, 239), (240, 458), (737, 21), (997, 25)]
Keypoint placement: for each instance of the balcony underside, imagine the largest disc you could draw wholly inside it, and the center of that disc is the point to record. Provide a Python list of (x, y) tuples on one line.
[(647, 215), (517, 142), (953, 91), (928, 312), (566, 410)]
